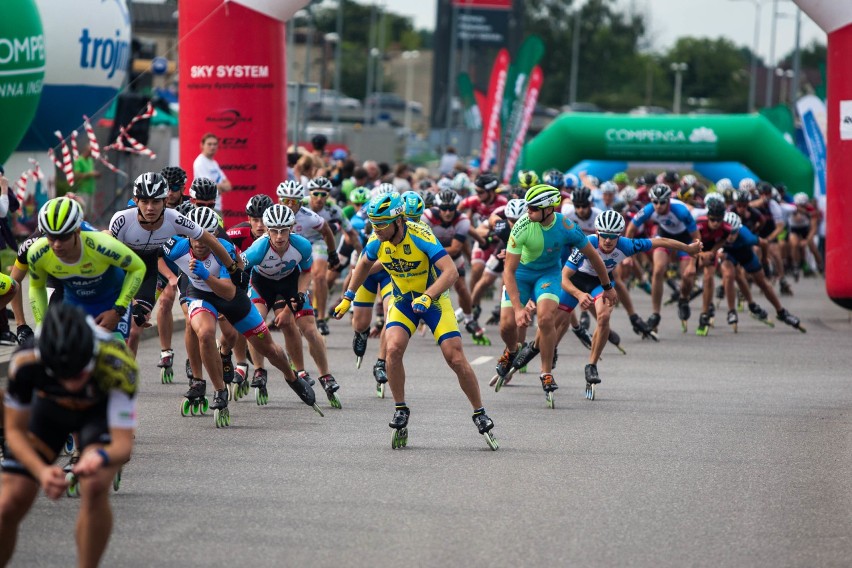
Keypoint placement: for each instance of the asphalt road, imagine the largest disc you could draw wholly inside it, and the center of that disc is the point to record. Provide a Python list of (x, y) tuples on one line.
[(729, 450)]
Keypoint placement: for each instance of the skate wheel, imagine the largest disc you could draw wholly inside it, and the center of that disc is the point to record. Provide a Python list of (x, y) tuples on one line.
[(492, 441), (399, 439), (493, 380), (205, 405), (620, 348), (73, 489), (334, 401), (258, 397), (166, 375), (380, 390), (358, 361), (499, 384), (523, 369), (802, 329), (116, 481), (194, 408), (184, 408), (230, 388), (318, 410), (590, 391), (551, 403)]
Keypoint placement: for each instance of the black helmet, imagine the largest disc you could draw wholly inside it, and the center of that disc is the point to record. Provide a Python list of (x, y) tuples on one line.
[(488, 182), (174, 176), (671, 176), (66, 340), (428, 197), (150, 185), (184, 207), (660, 192), (581, 196), (554, 178), (319, 141), (716, 208), (203, 189), (258, 204)]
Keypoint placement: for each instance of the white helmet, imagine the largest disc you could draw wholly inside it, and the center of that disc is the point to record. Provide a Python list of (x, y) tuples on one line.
[(290, 189), (801, 198), (714, 196), (461, 183), (515, 209), (629, 194), (733, 220), (747, 184), (610, 222), (279, 216), (609, 187), (205, 218)]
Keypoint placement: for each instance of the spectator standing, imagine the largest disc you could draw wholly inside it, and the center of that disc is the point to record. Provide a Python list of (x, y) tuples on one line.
[(205, 166)]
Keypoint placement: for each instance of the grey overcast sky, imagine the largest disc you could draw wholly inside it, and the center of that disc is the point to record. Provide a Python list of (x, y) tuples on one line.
[(670, 19)]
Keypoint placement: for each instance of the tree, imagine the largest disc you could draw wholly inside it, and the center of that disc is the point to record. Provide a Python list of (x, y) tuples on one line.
[(717, 72)]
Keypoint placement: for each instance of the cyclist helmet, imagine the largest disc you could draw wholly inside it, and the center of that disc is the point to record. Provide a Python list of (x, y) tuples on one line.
[(319, 182), (203, 189), (527, 179), (688, 181), (60, 216), (290, 189), (385, 207), (715, 208), (460, 183), (425, 184), (742, 196), (554, 178), (515, 209), (609, 187), (184, 207), (801, 198), (384, 189), (711, 197), (593, 181), (413, 205), (543, 195), (428, 198), (671, 176), (571, 181), (629, 194), (447, 197), (359, 195), (660, 192), (258, 204), (444, 183), (150, 185), (279, 216), (581, 197), (733, 220), (205, 218), (488, 182), (621, 177), (66, 340), (724, 185), (748, 184), (174, 176), (610, 222)]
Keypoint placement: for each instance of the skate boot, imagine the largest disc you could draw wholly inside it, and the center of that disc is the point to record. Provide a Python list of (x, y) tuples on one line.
[(476, 312), (330, 386), (399, 423), (188, 369), (477, 333), (526, 354), (641, 328), (167, 374), (583, 336), (258, 383), (784, 286), (359, 346), (760, 314), (494, 318), (322, 326), (549, 386), (615, 339), (653, 322), (221, 414), (380, 373), (504, 366), (683, 312), (241, 380), (228, 374), (592, 379), (703, 324), (645, 286), (73, 489), (585, 320), (711, 312), (485, 425), (302, 374), (720, 294), (733, 319), (790, 320), (196, 402), (304, 391)]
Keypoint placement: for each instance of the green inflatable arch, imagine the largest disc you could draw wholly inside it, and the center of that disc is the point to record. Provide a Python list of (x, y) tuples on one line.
[(749, 139)]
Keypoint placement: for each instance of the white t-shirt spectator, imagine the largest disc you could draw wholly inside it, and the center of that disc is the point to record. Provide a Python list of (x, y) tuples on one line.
[(208, 168)]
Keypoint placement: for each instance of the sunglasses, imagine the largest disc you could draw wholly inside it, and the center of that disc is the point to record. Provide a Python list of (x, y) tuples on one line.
[(582, 205), (714, 219), (279, 232), (447, 207), (319, 194), (609, 236), (659, 201), (176, 188), (290, 200), (60, 238), (209, 204), (382, 226)]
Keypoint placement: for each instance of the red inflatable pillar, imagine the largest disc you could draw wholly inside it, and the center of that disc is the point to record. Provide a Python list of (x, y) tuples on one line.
[(836, 19), (233, 84)]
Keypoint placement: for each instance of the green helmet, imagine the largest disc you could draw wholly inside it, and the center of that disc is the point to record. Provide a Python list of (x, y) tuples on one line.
[(359, 195), (621, 177), (543, 195), (527, 179), (60, 216)]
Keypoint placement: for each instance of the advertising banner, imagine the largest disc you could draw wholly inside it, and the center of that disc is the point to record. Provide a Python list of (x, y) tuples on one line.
[(529, 54), (491, 112), (236, 90), (812, 112), (533, 90)]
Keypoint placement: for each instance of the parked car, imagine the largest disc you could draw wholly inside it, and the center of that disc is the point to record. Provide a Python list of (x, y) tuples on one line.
[(330, 97), (390, 102)]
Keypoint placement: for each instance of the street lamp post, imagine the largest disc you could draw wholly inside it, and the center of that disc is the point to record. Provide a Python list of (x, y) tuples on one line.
[(678, 69), (782, 87), (409, 57), (337, 62), (752, 83)]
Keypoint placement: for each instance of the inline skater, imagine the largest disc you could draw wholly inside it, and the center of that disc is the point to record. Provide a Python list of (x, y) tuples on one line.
[(280, 267), (714, 233), (532, 272), (212, 292), (422, 273), (72, 377), (804, 223), (674, 221)]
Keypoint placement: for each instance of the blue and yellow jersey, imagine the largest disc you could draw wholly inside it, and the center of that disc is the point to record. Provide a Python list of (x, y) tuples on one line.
[(411, 263), (108, 271)]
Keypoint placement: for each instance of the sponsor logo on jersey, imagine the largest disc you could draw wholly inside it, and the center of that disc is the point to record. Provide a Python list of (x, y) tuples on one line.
[(406, 249), (117, 225), (107, 252), (184, 222), (399, 265), (127, 261)]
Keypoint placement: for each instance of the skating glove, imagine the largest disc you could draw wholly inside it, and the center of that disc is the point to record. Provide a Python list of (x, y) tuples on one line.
[(24, 332), (200, 270), (344, 304), (140, 313), (297, 303), (240, 278), (333, 258), (421, 304)]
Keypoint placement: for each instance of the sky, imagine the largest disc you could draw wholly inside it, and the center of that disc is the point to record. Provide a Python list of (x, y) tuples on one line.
[(670, 19)]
